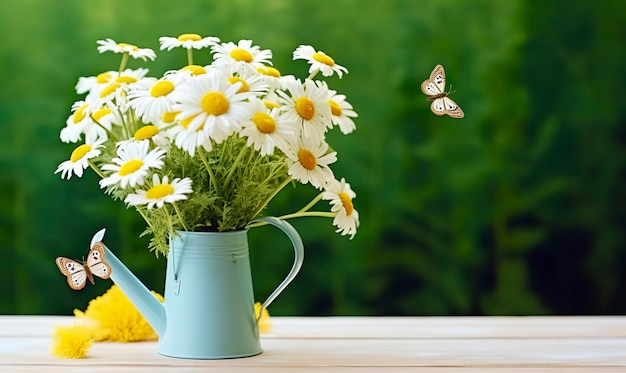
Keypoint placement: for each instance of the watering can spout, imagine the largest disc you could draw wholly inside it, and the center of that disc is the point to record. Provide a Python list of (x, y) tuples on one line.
[(138, 294)]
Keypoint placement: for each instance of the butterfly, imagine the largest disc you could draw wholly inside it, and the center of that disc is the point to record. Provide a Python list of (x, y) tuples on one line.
[(434, 88), (78, 273)]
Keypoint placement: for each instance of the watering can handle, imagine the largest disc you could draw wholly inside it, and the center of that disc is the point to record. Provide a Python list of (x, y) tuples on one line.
[(299, 255)]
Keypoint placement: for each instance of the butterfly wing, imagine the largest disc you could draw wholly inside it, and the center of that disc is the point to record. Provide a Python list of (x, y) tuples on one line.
[(451, 108), (438, 106), (96, 262), (74, 271), (445, 105), (436, 83)]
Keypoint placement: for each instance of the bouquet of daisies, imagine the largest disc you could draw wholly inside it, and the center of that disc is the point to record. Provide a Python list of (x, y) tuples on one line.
[(207, 147)]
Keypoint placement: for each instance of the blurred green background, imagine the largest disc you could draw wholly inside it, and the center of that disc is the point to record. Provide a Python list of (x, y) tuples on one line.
[(519, 208)]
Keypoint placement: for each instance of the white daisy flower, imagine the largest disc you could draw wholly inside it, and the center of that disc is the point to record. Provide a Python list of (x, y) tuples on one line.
[(271, 100), (318, 61), (118, 83), (161, 192), (209, 103), (187, 41), (99, 118), (341, 110), (251, 81), (79, 160), (117, 100), (148, 133), (266, 130), (151, 97), (340, 196), (189, 71), (307, 104), (132, 164), (189, 139), (168, 119), (309, 162), (109, 45), (243, 53), (83, 119), (271, 75), (76, 122), (89, 83), (185, 138)]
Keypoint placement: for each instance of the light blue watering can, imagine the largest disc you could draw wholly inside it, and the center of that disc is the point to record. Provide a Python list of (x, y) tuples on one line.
[(208, 312)]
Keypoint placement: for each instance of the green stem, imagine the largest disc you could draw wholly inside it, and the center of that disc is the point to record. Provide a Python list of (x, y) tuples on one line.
[(208, 169), (95, 168), (250, 158), (234, 167), (124, 123), (167, 127), (269, 198), (322, 214), (123, 63), (180, 217), (313, 74), (134, 123), (189, 56), (145, 217), (312, 203), (168, 217), (108, 132)]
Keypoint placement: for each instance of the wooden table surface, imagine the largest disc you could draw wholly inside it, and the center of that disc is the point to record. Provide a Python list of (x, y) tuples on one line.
[(355, 344)]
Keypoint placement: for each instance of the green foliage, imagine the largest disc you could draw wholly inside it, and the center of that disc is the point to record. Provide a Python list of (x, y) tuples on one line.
[(246, 182), (519, 208)]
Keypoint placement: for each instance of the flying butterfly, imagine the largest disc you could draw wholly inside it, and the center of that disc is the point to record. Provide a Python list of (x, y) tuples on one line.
[(434, 88), (78, 273)]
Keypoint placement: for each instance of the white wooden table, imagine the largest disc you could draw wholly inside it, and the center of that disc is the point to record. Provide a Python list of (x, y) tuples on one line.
[(355, 344)]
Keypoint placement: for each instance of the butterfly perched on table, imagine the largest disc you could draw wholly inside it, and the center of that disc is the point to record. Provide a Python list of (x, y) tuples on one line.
[(434, 87), (78, 273)]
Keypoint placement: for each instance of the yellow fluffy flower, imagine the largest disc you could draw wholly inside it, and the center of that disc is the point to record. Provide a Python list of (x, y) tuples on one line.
[(111, 317), (116, 319), (71, 342), (264, 322)]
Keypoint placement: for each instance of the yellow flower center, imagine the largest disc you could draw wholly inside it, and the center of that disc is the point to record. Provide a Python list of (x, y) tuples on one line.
[(270, 104), (243, 55), (169, 116), (269, 71), (214, 103), (323, 58), (126, 79), (264, 123), (244, 85), (185, 123), (80, 114), (79, 153), (305, 108), (307, 159), (159, 191), (192, 37), (346, 201), (146, 132), (109, 89), (335, 109), (103, 78), (130, 167), (195, 69), (161, 88), (98, 114), (125, 45)]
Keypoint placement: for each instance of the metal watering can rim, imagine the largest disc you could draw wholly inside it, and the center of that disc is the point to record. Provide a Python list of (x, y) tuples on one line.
[(154, 311)]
